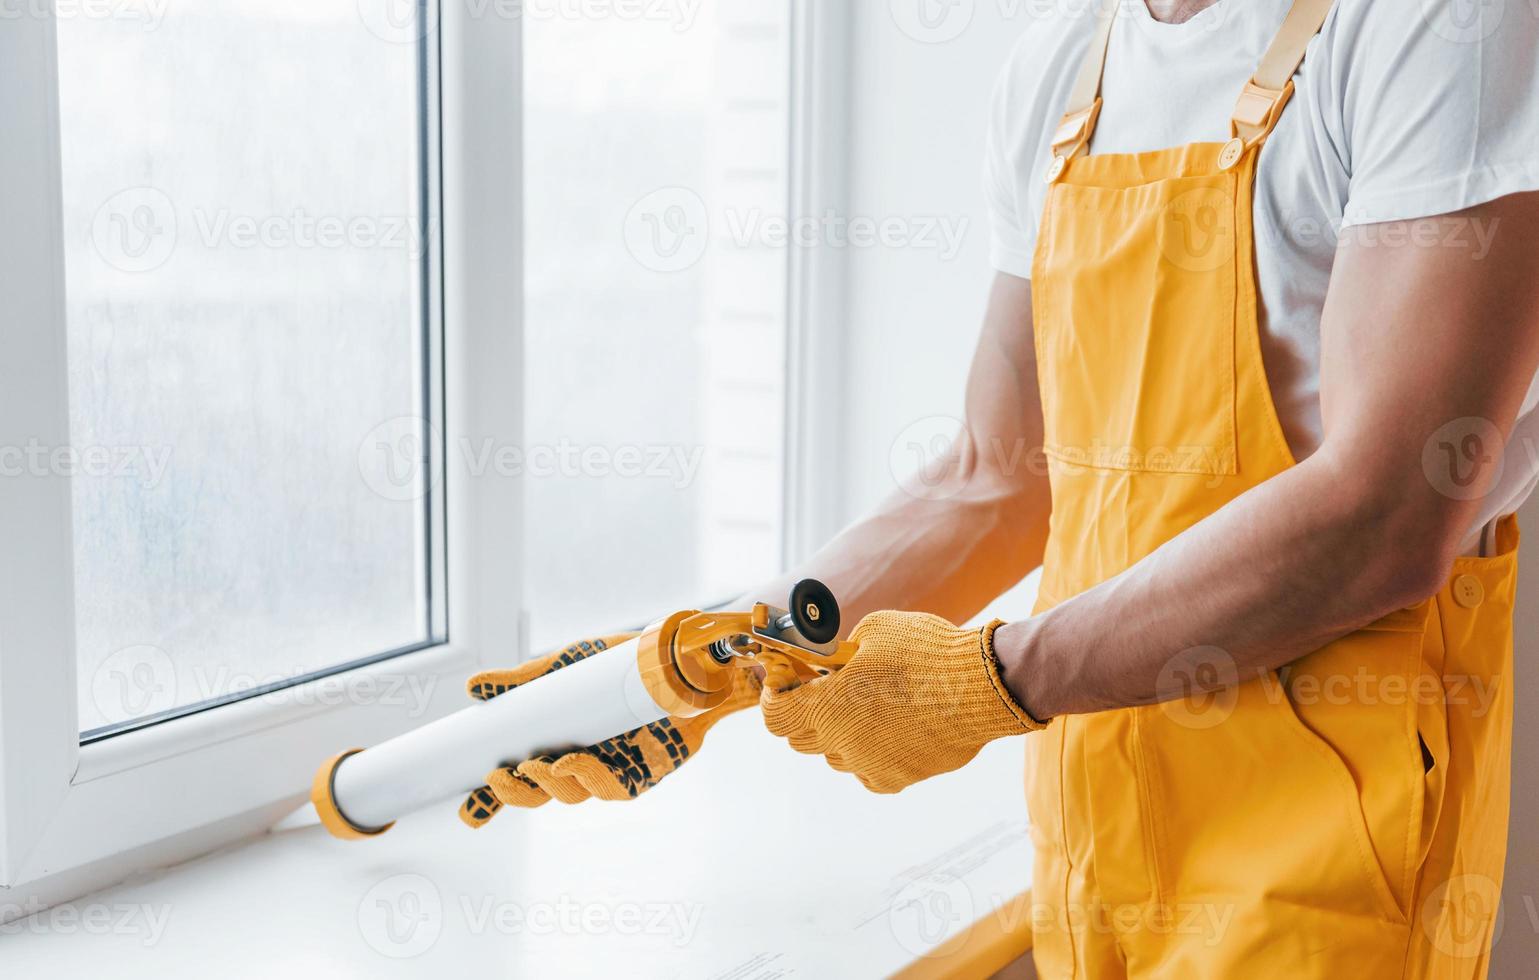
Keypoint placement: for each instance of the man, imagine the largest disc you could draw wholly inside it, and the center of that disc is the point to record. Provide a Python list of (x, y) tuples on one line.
[(1271, 339)]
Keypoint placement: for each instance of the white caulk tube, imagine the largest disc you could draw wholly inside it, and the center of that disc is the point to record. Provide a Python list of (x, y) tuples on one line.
[(672, 668), (578, 705)]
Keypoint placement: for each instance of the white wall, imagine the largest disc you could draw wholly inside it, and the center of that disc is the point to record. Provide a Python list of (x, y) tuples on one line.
[(919, 106), (917, 121), (918, 115), (1518, 948)]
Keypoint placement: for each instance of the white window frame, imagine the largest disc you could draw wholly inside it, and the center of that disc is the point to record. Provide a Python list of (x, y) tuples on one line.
[(816, 439), (73, 817)]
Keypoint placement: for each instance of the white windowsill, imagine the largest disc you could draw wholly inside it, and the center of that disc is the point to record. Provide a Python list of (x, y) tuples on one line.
[(752, 854)]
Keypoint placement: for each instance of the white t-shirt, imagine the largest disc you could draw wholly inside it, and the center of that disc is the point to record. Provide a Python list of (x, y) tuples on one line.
[(1403, 109)]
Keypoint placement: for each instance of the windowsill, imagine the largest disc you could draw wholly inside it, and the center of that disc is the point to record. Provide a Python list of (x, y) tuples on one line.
[(752, 854)]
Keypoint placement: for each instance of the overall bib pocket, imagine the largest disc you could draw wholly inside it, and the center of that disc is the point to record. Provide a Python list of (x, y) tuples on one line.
[(1135, 311)]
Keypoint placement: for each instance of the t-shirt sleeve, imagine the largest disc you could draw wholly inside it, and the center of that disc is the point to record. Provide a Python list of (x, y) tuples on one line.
[(1440, 103), (1012, 236)]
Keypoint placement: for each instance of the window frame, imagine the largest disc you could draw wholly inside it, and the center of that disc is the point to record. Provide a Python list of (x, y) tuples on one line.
[(76, 817), (816, 440)]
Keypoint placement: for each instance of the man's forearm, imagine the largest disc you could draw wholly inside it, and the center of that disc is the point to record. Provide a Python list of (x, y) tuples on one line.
[(1413, 338), (949, 557), (1283, 570), (974, 523)]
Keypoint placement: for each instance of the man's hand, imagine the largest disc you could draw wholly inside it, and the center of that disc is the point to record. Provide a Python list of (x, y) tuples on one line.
[(619, 768), (919, 698)]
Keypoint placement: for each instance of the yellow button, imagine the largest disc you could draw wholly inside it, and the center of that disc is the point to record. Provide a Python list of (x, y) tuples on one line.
[(1055, 169), (1468, 592), (1231, 153)]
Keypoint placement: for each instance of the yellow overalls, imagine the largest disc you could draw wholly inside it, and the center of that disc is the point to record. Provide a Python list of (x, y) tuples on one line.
[(1345, 818)]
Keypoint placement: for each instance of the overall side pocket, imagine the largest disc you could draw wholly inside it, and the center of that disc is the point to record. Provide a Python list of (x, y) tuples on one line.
[(1360, 704)]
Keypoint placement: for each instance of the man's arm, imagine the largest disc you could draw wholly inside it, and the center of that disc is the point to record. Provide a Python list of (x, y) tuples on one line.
[(1415, 336), (953, 554)]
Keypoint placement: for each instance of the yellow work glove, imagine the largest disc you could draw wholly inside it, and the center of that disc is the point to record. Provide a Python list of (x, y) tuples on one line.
[(920, 697), (619, 768)]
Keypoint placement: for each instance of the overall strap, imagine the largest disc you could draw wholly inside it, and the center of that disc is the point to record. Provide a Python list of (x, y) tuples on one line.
[(1084, 104), (1267, 93), (1259, 107)]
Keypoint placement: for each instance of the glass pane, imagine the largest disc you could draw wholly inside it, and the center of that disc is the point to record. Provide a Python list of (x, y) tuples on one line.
[(656, 150), (250, 331)]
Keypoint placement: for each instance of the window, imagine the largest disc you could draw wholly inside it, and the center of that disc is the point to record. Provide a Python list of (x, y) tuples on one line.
[(250, 249), (238, 343), (282, 424), (656, 156)]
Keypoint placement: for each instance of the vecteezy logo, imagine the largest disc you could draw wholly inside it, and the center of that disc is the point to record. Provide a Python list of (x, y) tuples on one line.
[(1198, 233), (1464, 459), (929, 910), (135, 229), (1198, 687), (1463, 21), (1463, 916), (395, 458), (921, 458), (134, 682), (395, 21), (668, 230), (932, 21), (402, 916)]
